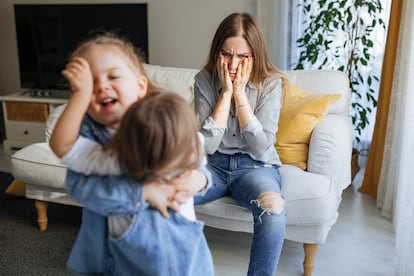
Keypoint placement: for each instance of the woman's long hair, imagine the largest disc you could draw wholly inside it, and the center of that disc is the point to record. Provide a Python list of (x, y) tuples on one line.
[(243, 25)]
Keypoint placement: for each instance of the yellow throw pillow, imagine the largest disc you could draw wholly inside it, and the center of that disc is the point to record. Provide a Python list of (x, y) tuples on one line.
[(17, 188), (301, 112)]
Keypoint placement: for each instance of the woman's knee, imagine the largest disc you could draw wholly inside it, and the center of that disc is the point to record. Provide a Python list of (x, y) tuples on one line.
[(270, 202)]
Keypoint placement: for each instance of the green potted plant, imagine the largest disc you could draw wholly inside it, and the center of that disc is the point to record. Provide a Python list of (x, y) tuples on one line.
[(340, 35)]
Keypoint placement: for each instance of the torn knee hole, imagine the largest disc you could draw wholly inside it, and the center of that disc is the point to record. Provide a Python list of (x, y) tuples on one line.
[(270, 202)]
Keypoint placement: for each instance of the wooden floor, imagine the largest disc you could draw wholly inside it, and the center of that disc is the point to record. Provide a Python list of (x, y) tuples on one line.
[(361, 243)]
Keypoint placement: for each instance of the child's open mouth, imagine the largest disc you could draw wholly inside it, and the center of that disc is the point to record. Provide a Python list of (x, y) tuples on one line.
[(108, 101)]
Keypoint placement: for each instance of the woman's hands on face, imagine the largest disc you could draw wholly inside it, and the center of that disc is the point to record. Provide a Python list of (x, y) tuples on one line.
[(244, 69), (223, 74), (233, 84)]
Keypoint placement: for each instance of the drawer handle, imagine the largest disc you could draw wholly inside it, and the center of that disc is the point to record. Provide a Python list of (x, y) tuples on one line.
[(26, 132)]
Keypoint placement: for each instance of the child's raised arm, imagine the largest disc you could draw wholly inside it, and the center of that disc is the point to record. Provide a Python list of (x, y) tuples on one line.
[(67, 127)]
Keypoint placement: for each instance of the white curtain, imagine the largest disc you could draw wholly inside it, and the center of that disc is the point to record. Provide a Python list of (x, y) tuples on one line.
[(396, 185), (278, 20), (281, 23)]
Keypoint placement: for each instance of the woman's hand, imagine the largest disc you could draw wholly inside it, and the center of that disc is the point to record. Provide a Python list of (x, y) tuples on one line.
[(244, 70), (222, 109), (224, 76)]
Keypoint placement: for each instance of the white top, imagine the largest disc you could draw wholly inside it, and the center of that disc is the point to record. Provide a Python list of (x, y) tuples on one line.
[(89, 157)]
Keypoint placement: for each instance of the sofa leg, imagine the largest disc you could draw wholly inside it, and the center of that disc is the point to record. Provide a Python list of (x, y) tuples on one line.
[(309, 262), (41, 208)]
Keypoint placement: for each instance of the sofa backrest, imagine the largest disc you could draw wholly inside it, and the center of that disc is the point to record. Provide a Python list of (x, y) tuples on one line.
[(324, 82), (181, 81), (177, 80)]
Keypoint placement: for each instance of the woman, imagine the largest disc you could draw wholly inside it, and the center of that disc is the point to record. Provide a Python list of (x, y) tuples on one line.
[(237, 101)]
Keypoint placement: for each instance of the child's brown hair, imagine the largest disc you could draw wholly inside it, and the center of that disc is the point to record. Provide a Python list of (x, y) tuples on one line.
[(134, 56), (158, 136)]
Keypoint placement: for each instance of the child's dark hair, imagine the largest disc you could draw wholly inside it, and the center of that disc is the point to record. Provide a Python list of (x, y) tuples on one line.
[(158, 136)]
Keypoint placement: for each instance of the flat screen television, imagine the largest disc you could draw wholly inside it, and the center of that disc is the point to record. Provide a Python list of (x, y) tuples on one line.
[(48, 33)]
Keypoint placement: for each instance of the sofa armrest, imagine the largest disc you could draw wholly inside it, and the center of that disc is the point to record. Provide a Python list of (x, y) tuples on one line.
[(330, 149)]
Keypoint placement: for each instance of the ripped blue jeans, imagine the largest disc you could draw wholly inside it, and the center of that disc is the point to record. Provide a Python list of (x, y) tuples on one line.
[(245, 180)]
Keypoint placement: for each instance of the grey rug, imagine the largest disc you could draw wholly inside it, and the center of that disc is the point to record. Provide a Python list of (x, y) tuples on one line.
[(24, 249)]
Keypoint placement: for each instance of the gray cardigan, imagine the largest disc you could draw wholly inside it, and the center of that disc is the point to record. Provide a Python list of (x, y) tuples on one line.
[(258, 138)]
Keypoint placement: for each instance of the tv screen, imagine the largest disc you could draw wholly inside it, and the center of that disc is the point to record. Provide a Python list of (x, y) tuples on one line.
[(48, 33)]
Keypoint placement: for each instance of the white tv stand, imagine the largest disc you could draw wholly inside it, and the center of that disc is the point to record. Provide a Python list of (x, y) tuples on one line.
[(25, 118), (48, 93)]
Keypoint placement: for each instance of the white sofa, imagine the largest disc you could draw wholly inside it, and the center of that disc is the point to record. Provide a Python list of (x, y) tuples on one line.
[(312, 196)]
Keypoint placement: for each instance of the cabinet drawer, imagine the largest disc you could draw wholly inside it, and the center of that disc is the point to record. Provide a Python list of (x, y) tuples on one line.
[(27, 112), (25, 131)]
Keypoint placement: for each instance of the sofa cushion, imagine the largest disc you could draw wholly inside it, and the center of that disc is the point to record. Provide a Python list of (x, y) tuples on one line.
[(177, 80), (301, 112), (311, 202), (308, 202)]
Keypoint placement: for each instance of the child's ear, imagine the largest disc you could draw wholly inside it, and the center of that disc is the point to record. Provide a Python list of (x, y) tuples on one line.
[(142, 86)]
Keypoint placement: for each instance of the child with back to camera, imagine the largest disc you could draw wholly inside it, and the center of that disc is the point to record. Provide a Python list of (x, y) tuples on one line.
[(106, 77), (163, 247), (175, 148)]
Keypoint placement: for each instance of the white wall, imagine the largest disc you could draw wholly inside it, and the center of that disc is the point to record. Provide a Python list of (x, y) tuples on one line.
[(180, 32)]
